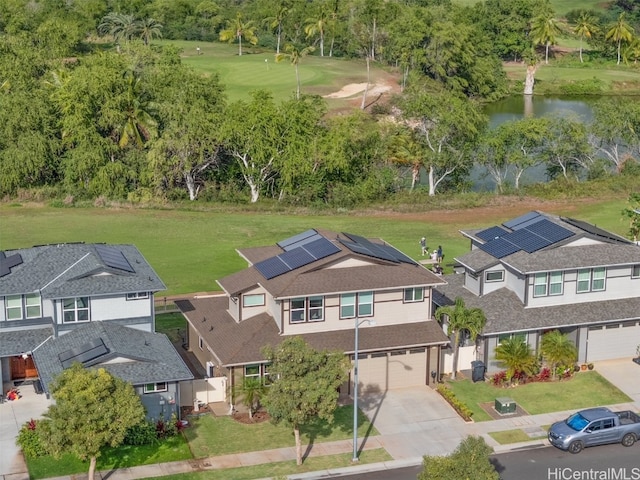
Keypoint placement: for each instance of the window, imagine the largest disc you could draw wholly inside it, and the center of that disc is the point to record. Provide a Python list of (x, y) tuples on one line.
[(252, 371), (316, 309), (591, 280), (635, 271), (309, 309), (547, 284), (505, 336), (267, 378), (14, 307), (75, 310), (200, 343), (32, 305), (254, 300), (555, 283), (495, 276), (415, 294), (155, 387), (137, 295), (540, 285), (363, 301), (298, 310)]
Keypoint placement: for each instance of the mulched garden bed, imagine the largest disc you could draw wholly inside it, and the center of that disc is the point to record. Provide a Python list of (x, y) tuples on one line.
[(489, 407), (243, 417)]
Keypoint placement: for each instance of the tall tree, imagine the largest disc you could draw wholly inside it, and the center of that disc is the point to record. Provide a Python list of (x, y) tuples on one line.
[(545, 30), (237, 30), (122, 27), (294, 55), (516, 356), (317, 25), (615, 130), (460, 319), (620, 32), (277, 22), (567, 151), (632, 212), (92, 409), (305, 386), (138, 126), (469, 460), (586, 26), (149, 29), (558, 350)]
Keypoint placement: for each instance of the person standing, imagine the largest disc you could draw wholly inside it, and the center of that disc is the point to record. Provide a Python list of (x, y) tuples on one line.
[(439, 254), (423, 245)]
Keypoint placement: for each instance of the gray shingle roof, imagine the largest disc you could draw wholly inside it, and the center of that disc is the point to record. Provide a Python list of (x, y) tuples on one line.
[(25, 340), (138, 357), (72, 270)]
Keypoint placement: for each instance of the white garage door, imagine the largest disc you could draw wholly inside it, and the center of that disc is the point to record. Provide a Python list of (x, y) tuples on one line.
[(383, 371), (617, 340)]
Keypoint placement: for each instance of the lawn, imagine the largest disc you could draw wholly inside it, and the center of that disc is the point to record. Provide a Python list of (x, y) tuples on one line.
[(561, 7), (173, 325), (585, 389), (517, 435)]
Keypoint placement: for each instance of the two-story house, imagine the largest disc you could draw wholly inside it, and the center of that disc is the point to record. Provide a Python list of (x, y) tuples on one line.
[(541, 272), (320, 285), (91, 303)]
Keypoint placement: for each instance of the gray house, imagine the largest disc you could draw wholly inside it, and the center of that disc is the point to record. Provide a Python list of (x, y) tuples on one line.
[(50, 291), (541, 272)]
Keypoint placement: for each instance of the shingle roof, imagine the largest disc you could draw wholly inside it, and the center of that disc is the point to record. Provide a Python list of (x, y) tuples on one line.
[(72, 270), (25, 340), (241, 343), (506, 313), (138, 357)]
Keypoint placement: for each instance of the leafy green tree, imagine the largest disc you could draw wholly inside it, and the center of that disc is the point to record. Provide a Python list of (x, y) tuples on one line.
[(404, 150), (516, 356), (461, 319), (620, 32), (92, 409), (306, 385), (237, 30), (149, 29), (138, 126), (545, 30), (250, 391), (558, 350), (567, 151), (632, 212), (615, 130), (586, 26), (122, 27), (317, 25), (277, 22), (294, 55), (470, 460)]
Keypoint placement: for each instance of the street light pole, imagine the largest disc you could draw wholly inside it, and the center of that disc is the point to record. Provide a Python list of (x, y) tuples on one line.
[(355, 388)]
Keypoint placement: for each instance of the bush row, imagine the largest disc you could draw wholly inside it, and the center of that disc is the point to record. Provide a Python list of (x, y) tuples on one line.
[(459, 406)]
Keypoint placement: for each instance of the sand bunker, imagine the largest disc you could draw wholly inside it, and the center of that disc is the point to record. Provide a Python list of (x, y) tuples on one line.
[(357, 88)]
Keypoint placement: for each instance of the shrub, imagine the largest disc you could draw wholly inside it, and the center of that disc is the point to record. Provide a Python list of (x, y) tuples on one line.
[(142, 434), (464, 411), (29, 440), (498, 379), (544, 375)]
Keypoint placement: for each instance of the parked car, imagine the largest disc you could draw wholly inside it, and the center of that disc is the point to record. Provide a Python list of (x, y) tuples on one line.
[(595, 426)]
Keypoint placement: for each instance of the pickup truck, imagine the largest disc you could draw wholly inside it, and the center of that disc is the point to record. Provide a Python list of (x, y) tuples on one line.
[(595, 426)]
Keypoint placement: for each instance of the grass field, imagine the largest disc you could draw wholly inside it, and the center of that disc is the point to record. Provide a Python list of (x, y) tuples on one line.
[(561, 7)]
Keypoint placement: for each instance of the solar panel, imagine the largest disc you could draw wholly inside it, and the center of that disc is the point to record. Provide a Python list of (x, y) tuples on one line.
[(549, 230), (398, 254), (366, 247), (84, 353), (7, 263), (114, 258), (527, 240), (593, 230), (491, 233), (272, 267), (321, 248), (299, 240), (499, 248), (296, 258), (519, 222)]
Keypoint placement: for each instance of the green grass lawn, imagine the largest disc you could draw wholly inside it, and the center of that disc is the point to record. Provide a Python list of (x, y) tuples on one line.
[(506, 437), (561, 7), (173, 325), (585, 389)]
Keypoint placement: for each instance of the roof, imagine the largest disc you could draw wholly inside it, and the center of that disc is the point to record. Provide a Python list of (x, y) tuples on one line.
[(25, 340), (324, 276), (241, 343), (135, 356), (78, 269), (505, 312)]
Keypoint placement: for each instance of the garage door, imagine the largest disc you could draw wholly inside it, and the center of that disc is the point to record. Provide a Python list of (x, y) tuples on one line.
[(617, 340), (388, 370)]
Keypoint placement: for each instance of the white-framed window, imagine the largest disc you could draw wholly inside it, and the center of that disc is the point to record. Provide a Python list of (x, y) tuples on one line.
[(547, 284), (555, 283), (316, 309), (591, 280), (253, 300), (635, 271), (33, 305), (495, 276), (362, 302), (137, 295), (13, 306), (75, 310), (415, 294), (540, 285), (155, 387), (252, 371), (298, 310), (505, 336), (307, 309)]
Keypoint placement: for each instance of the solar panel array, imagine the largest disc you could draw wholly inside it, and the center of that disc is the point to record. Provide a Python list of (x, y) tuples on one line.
[(491, 233), (593, 230), (84, 353), (300, 250), (7, 263), (531, 232), (364, 246), (114, 258)]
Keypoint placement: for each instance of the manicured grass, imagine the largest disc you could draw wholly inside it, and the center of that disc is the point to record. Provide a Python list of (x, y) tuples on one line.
[(506, 437), (281, 469), (585, 389), (211, 436), (169, 450), (173, 325), (561, 7), (610, 75)]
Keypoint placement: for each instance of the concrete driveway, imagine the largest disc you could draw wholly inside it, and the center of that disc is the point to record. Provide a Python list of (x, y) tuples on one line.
[(624, 374)]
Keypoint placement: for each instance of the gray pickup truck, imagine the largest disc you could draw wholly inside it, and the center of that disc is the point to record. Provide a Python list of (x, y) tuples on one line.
[(595, 426)]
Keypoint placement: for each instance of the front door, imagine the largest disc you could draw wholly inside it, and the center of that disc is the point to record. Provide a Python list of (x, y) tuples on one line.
[(23, 368)]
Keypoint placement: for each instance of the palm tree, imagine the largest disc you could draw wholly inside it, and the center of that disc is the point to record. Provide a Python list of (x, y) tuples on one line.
[(586, 26), (237, 30), (317, 26), (460, 318), (620, 32), (149, 28), (632, 52), (514, 354), (557, 349), (276, 22), (544, 29), (295, 55), (249, 392), (139, 125), (119, 26)]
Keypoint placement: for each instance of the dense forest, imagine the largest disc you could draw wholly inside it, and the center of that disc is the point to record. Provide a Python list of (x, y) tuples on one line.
[(93, 107)]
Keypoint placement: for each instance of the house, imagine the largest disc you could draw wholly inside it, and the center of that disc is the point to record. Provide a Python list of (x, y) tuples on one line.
[(322, 285), (96, 294), (540, 272)]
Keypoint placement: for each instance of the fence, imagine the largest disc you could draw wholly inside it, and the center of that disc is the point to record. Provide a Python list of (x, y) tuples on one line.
[(203, 390)]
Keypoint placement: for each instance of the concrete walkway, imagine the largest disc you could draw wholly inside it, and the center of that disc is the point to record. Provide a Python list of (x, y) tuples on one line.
[(411, 422)]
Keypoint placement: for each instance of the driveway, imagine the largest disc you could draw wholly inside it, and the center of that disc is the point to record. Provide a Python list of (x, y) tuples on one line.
[(624, 374)]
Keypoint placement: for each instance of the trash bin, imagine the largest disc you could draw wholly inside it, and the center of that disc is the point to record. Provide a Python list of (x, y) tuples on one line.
[(477, 371)]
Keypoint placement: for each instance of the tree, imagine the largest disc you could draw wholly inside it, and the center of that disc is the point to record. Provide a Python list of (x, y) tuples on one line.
[(237, 30), (615, 130), (558, 350), (544, 30), (305, 386), (469, 460), (120, 26), (460, 319), (148, 29), (92, 409), (585, 27), (317, 26), (138, 126), (632, 212), (516, 356), (620, 32), (249, 392), (276, 22), (294, 54), (567, 150)]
